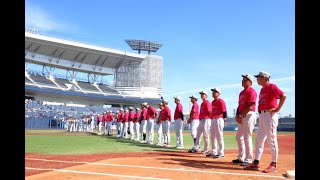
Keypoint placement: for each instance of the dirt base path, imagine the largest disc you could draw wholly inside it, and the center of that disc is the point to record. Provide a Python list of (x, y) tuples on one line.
[(156, 165)]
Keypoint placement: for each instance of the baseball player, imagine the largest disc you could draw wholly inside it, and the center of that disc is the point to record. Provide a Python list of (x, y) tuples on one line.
[(92, 123), (99, 121), (143, 124), (246, 118), (131, 116), (178, 122), (109, 122), (194, 118), (159, 122), (218, 121), (151, 114), (268, 108), (136, 125), (204, 126), (125, 121), (166, 121), (104, 123), (120, 116)]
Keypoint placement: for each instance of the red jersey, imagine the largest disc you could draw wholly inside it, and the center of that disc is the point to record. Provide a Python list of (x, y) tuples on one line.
[(205, 110), (165, 114), (246, 96), (131, 116), (144, 113), (178, 111), (119, 117), (194, 112), (104, 118), (99, 118), (126, 117), (109, 118), (136, 117), (268, 97), (218, 107), (151, 112)]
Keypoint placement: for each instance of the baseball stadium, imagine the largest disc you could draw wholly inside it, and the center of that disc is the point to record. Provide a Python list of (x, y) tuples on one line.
[(68, 84)]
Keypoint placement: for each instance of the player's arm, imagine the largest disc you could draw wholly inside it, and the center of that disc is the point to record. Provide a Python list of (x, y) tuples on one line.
[(238, 116), (246, 109), (281, 102)]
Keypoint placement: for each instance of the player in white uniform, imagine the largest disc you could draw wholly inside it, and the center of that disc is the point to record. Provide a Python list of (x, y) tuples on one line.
[(194, 118), (204, 126), (246, 118), (268, 108), (166, 122), (218, 121), (151, 114), (159, 123), (143, 124), (178, 122), (131, 116), (136, 126)]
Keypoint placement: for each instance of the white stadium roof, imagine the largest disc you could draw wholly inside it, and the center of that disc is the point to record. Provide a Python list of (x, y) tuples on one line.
[(76, 56)]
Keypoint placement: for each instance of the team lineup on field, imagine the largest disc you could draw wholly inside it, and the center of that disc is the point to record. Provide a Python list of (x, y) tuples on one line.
[(207, 121)]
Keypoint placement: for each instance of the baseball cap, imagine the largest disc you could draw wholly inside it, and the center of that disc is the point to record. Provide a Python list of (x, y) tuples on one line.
[(203, 92), (248, 76), (177, 97), (263, 74), (121, 109), (144, 104), (130, 108), (138, 109), (216, 89), (194, 97)]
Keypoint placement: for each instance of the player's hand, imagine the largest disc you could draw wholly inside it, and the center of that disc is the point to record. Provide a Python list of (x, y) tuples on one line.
[(189, 121), (239, 119)]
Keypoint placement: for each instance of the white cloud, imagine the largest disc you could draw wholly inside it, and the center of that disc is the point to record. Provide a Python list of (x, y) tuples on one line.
[(39, 19), (285, 79), (231, 86)]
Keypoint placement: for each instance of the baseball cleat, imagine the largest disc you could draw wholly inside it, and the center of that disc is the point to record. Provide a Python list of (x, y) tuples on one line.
[(271, 168), (245, 164), (252, 167), (193, 150), (218, 156), (204, 152), (209, 155), (237, 161)]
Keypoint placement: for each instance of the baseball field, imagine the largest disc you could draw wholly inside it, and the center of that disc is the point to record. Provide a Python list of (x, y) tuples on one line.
[(57, 154)]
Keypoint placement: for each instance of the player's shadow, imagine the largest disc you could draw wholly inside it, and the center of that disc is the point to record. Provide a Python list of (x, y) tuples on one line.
[(138, 143), (202, 163)]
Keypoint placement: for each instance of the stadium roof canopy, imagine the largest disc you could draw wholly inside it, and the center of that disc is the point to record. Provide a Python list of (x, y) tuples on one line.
[(76, 56)]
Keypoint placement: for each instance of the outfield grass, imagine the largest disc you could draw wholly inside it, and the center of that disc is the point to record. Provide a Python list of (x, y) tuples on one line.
[(58, 142)]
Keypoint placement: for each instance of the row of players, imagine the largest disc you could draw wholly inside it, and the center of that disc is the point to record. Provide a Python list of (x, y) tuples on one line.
[(210, 119)]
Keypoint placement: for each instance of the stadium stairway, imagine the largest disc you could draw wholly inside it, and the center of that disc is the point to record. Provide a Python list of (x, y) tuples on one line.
[(74, 82), (95, 85), (52, 79), (28, 76)]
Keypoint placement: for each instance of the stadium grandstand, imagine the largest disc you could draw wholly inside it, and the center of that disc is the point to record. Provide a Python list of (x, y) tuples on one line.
[(66, 79)]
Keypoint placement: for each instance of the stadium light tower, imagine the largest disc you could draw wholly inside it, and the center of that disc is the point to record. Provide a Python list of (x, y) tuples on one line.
[(142, 45)]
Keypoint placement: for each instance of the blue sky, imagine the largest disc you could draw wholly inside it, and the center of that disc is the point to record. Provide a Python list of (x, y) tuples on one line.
[(206, 43)]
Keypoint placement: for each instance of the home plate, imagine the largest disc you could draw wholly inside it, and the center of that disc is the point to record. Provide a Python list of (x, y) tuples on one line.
[(290, 173)]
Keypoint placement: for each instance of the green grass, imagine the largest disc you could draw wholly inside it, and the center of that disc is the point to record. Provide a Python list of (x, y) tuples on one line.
[(59, 142)]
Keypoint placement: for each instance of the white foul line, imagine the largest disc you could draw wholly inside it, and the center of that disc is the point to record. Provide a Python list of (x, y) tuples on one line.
[(160, 168), (95, 173)]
